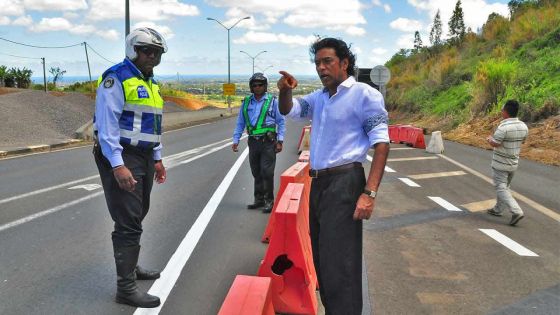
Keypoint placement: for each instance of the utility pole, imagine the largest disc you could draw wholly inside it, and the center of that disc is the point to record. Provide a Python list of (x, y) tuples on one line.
[(44, 74), (127, 18), (88, 68)]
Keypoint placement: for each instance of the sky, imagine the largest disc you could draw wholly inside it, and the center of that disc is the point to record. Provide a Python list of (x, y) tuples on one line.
[(376, 29)]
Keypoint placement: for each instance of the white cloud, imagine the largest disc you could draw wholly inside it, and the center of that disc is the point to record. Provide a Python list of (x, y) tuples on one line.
[(165, 31), (376, 60), (55, 5), (71, 15), (356, 50), (405, 41), (62, 24), (406, 25), (4, 20), (385, 6), (51, 24), (11, 7), (146, 10), (111, 34), (23, 21), (379, 51), (343, 16), (475, 12), (263, 37)]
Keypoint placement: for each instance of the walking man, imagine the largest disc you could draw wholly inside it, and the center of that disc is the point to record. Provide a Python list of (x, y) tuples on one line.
[(348, 119), (265, 126), (506, 141), (127, 150)]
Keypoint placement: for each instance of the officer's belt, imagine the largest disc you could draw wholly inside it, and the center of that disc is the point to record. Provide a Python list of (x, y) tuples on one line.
[(334, 170)]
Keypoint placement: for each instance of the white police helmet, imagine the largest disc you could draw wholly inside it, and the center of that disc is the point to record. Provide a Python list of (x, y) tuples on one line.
[(143, 36)]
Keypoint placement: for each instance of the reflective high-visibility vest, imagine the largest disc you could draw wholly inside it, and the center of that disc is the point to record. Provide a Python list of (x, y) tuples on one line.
[(140, 121), (257, 129)]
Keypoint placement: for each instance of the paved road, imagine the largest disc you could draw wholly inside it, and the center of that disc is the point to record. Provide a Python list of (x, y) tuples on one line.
[(56, 258)]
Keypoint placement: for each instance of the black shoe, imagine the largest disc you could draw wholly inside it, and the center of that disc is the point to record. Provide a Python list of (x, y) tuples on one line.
[(515, 219), (494, 212), (255, 205), (144, 274), (268, 207)]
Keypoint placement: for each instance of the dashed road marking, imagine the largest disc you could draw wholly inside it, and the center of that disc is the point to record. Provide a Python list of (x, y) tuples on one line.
[(435, 175), (409, 182), (401, 148), (509, 243), (480, 205), (444, 203), (387, 168), (413, 159)]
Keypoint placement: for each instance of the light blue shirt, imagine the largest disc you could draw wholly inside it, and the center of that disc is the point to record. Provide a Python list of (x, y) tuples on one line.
[(273, 117), (109, 104), (345, 126)]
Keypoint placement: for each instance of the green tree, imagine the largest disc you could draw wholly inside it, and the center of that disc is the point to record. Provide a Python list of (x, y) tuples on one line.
[(435, 32), (417, 41), (457, 23), (57, 74), (2, 74)]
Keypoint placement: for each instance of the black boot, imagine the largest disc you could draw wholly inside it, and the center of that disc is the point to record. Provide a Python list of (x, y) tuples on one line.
[(269, 204), (257, 204), (145, 274), (126, 259)]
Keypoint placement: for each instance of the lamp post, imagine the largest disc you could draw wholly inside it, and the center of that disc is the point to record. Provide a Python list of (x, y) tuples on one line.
[(263, 70), (253, 57)]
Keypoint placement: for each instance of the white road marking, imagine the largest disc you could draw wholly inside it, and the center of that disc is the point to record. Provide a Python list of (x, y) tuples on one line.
[(508, 242), (537, 206), (32, 193), (387, 168), (163, 286), (435, 175), (409, 182), (401, 148), (444, 203), (413, 159), (88, 187)]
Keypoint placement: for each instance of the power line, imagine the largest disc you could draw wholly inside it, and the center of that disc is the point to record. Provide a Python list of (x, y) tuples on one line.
[(112, 62), (34, 46), (20, 56)]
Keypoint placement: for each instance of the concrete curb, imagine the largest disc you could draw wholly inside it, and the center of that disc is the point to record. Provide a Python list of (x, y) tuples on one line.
[(42, 147)]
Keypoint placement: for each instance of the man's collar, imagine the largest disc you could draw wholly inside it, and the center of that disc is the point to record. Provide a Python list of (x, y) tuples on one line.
[(346, 83)]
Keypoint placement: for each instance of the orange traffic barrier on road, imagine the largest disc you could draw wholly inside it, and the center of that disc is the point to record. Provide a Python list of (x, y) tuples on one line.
[(297, 173), (416, 138), (304, 156), (288, 261), (403, 131), (394, 133), (304, 139), (248, 295)]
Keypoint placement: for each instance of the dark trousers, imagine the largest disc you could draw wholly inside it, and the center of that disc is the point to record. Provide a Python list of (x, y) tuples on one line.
[(262, 158), (336, 240), (127, 209)]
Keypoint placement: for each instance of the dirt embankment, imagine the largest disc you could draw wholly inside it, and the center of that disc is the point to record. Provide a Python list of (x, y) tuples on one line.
[(542, 145)]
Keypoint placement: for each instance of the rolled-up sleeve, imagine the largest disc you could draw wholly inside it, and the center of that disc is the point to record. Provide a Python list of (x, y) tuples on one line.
[(302, 109), (375, 118)]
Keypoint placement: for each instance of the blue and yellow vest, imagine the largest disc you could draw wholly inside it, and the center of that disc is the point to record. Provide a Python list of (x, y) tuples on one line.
[(140, 121), (257, 129)]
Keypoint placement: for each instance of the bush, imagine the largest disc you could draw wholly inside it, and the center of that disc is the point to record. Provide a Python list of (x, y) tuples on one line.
[(492, 79)]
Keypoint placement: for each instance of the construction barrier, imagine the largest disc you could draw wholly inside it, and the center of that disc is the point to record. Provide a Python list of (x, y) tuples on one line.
[(304, 156), (403, 131), (304, 139), (288, 260), (297, 173), (394, 133), (436, 143), (416, 138), (248, 295)]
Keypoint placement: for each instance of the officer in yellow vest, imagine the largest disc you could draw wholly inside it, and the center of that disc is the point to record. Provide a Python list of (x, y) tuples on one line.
[(127, 150), (259, 114)]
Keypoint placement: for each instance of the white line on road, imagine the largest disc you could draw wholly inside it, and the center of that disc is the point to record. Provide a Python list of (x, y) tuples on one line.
[(401, 148), (444, 203), (435, 175), (387, 168), (537, 206), (508, 242), (408, 182), (413, 159), (162, 287)]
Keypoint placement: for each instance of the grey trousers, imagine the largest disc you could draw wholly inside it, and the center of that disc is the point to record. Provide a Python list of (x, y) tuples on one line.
[(504, 199)]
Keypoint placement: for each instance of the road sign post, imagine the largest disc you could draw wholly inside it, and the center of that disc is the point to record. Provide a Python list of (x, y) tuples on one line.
[(380, 75)]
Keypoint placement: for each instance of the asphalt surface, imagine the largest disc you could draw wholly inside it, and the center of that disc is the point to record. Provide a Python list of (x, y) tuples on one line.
[(56, 254)]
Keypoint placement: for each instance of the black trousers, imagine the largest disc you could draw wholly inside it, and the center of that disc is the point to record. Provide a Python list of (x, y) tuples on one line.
[(336, 240), (127, 209), (262, 158)]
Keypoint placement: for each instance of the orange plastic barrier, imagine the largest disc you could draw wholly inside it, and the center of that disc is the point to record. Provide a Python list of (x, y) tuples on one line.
[(304, 139), (403, 131), (288, 261), (297, 173), (416, 138), (304, 156), (248, 295), (394, 133)]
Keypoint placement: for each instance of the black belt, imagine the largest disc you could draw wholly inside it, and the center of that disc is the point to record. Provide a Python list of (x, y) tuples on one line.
[(334, 170), (137, 149)]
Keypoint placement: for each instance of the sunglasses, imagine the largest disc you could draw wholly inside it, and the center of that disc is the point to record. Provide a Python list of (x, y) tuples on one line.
[(257, 84), (147, 50)]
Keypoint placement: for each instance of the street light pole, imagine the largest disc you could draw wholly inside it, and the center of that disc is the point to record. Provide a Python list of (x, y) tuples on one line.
[(253, 57), (264, 70), (228, 51)]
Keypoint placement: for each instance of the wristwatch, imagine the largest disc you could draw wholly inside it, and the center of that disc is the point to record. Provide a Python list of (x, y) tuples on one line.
[(370, 193)]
